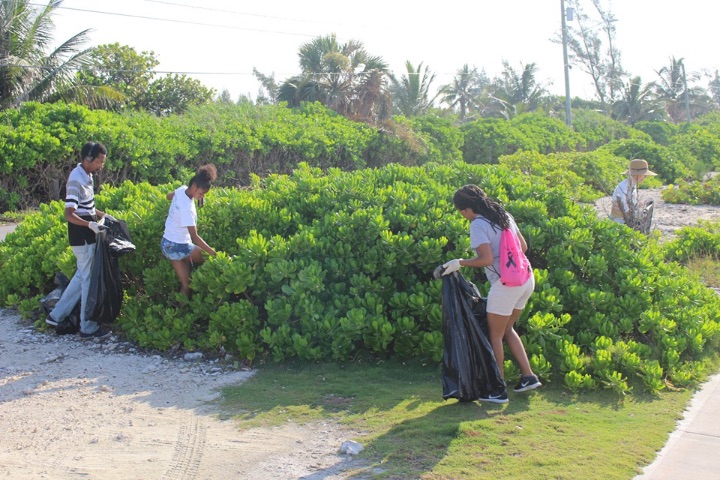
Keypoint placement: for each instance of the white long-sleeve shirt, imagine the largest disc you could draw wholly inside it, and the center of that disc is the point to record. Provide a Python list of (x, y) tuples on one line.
[(625, 194)]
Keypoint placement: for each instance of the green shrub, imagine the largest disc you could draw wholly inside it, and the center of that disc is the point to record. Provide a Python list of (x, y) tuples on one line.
[(586, 176), (398, 142), (660, 132), (661, 160), (709, 121), (487, 139), (443, 139), (597, 129), (39, 144), (547, 134), (699, 149), (694, 193), (695, 242), (338, 266)]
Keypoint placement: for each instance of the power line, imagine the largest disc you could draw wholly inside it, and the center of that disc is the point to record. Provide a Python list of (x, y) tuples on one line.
[(203, 24), (184, 22), (122, 70), (258, 15)]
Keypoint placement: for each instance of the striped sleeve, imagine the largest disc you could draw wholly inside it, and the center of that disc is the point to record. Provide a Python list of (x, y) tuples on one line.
[(73, 192), (79, 192)]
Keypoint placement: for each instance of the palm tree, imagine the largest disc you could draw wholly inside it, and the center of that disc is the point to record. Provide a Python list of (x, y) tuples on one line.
[(464, 92), (298, 89), (410, 93), (373, 99), (682, 102), (637, 103), (28, 73), (517, 93), (344, 77), (670, 88)]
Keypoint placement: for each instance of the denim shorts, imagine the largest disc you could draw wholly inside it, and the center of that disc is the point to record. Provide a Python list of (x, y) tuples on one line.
[(176, 251)]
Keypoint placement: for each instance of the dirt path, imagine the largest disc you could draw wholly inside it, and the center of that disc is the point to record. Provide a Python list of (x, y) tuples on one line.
[(73, 409)]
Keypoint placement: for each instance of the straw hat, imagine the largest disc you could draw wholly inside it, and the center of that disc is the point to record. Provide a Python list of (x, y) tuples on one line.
[(639, 167)]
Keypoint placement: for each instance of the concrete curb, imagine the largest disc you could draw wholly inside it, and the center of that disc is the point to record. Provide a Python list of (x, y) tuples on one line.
[(692, 449), (5, 229)]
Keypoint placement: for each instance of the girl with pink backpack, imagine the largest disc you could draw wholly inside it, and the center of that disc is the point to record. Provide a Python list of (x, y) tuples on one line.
[(500, 248)]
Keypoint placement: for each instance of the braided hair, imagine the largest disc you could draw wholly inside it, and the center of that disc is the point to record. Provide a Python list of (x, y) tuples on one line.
[(204, 177), (472, 197)]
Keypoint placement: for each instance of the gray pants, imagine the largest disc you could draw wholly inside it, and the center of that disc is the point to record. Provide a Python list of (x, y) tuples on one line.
[(78, 289)]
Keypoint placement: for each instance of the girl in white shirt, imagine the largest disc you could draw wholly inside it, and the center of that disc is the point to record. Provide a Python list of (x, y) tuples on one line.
[(181, 243)]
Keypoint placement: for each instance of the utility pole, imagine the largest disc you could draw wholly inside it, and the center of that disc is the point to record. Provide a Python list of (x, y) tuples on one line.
[(687, 98), (568, 111)]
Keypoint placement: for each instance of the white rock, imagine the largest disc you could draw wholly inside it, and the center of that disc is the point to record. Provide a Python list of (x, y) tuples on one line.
[(350, 447), (193, 356), (52, 358)]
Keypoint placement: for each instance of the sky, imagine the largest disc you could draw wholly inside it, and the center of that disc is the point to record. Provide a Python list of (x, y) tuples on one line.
[(219, 42)]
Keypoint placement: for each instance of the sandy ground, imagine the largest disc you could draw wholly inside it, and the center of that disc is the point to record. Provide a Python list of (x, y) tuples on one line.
[(72, 409), (667, 217)]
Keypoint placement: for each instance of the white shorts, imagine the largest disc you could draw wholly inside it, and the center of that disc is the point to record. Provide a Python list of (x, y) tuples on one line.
[(503, 300)]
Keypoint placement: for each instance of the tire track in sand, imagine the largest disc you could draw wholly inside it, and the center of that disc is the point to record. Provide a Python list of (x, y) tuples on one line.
[(188, 451)]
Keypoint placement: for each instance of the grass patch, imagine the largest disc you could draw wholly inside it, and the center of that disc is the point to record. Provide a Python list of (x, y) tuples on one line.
[(15, 216), (707, 269), (409, 432)]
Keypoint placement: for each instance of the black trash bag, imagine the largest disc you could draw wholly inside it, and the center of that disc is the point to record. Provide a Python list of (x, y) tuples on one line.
[(71, 323), (469, 369), (118, 237), (49, 301), (105, 293)]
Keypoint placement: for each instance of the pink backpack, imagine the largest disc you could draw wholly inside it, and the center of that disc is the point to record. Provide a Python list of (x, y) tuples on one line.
[(515, 268)]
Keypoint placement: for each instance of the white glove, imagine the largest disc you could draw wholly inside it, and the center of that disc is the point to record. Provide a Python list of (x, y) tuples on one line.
[(109, 217), (451, 266), (94, 226), (101, 221)]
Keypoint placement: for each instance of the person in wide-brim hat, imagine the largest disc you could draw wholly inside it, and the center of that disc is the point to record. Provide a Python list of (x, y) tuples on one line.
[(625, 196), (639, 167)]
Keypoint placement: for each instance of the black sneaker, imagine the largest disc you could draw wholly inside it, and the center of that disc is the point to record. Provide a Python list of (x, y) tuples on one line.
[(528, 383), (98, 334), (495, 397), (51, 321)]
